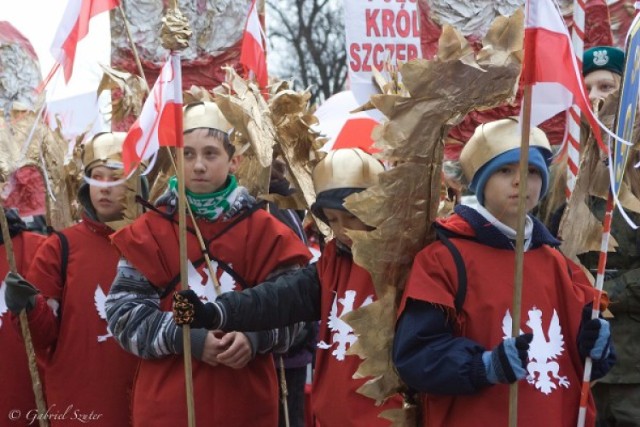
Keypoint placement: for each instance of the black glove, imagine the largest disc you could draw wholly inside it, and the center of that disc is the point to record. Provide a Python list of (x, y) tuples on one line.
[(189, 310), (19, 294), (507, 362), (594, 339)]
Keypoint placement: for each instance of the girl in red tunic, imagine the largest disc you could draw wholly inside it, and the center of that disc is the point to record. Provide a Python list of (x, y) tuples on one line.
[(88, 377)]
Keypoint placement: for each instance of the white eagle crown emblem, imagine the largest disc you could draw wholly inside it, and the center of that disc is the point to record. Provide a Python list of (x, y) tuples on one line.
[(544, 351), (600, 58)]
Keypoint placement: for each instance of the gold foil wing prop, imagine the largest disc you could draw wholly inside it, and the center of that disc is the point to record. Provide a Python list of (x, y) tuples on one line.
[(175, 31), (73, 174), (580, 231), (404, 204), (297, 143), (133, 89), (196, 94), (246, 109), (45, 152)]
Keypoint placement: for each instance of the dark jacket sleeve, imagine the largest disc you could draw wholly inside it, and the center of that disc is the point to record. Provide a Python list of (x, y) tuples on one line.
[(289, 298), (430, 359)]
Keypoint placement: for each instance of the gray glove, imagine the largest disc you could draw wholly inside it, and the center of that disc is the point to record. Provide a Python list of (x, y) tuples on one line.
[(19, 294)]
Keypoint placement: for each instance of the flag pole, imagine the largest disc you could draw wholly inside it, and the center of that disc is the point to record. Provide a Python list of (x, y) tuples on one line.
[(24, 327), (175, 37), (595, 309), (136, 56), (519, 266), (182, 233)]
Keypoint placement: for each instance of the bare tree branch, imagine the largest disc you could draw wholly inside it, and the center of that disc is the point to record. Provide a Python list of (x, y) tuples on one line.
[(308, 43)]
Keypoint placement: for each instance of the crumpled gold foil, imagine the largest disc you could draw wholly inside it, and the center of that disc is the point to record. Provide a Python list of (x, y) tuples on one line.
[(403, 206), (265, 129), (175, 31), (134, 90), (46, 146)]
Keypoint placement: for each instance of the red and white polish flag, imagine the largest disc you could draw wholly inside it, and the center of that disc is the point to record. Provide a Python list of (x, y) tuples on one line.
[(73, 27), (551, 68), (252, 53), (160, 121)]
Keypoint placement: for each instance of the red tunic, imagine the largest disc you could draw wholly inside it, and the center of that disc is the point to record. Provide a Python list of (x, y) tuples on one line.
[(552, 305), (334, 399), (224, 397), (16, 390), (87, 373)]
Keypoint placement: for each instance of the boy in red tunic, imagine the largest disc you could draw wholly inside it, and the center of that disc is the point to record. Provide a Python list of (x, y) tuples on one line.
[(234, 379), (324, 291), (88, 377), (453, 339), (16, 390)]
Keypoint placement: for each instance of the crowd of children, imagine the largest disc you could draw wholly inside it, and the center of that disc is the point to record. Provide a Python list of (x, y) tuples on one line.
[(105, 307)]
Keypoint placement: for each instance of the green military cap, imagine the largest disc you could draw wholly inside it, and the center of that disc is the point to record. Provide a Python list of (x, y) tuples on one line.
[(603, 58)]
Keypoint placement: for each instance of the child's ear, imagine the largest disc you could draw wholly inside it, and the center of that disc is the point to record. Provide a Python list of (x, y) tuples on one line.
[(234, 163)]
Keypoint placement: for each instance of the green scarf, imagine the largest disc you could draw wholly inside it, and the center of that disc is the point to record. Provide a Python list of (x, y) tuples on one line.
[(211, 205)]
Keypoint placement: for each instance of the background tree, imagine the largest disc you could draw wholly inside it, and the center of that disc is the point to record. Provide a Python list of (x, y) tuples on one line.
[(307, 42)]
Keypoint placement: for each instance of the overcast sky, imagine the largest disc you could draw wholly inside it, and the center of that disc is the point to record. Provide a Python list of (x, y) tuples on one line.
[(38, 21)]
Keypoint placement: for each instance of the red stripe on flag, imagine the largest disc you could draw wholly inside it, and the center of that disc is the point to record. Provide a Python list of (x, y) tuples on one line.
[(88, 10), (549, 59)]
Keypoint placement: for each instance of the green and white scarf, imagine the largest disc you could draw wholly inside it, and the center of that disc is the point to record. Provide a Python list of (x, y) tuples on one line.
[(211, 205)]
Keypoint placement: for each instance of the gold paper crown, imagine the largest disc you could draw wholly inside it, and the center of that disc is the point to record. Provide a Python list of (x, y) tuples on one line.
[(204, 115), (346, 168), (104, 149), (494, 138)]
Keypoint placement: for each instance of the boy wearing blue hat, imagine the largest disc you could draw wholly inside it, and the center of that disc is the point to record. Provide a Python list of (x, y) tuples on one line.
[(453, 340)]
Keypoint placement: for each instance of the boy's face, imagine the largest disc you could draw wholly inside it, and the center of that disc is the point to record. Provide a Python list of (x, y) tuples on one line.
[(340, 221), (601, 83), (206, 163), (501, 192), (107, 201)]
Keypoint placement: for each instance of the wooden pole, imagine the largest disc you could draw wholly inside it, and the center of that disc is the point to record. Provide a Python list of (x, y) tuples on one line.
[(284, 392), (182, 236), (522, 212), (24, 327), (133, 47)]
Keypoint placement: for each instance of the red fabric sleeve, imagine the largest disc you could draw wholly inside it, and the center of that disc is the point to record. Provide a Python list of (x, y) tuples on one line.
[(44, 273)]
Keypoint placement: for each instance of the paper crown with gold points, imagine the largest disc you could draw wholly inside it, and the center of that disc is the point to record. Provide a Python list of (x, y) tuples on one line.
[(495, 144), (204, 115), (104, 149), (341, 173), (346, 168)]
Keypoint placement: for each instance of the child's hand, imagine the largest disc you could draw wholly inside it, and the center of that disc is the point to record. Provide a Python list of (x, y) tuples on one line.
[(189, 310), (19, 294), (507, 362), (594, 339), (237, 351)]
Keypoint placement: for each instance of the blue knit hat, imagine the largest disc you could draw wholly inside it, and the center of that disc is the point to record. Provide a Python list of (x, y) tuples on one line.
[(536, 159), (603, 58)]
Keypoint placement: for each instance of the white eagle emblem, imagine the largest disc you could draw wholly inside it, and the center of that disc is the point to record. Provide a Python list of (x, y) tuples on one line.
[(99, 299), (342, 333), (542, 368), (202, 284), (600, 58)]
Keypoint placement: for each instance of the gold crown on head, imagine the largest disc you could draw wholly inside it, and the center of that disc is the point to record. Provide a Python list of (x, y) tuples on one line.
[(346, 168), (104, 149), (494, 138), (204, 115)]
